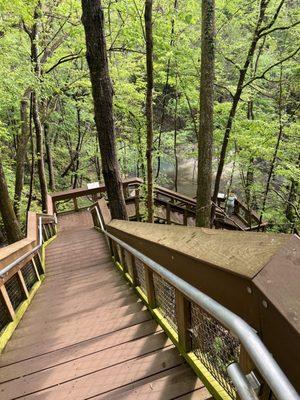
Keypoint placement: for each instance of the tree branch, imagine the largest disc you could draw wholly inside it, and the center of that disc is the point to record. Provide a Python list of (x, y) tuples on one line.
[(123, 49), (272, 22), (262, 76), (26, 29), (287, 202), (279, 28), (69, 57), (225, 88)]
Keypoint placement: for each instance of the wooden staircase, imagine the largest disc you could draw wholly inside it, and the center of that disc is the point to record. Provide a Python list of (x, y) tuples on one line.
[(87, 336)]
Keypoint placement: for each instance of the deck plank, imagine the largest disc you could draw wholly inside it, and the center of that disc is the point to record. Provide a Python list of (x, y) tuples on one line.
[(86, 333)]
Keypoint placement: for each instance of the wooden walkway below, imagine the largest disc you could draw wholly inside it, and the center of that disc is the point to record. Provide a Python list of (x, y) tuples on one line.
[(87, 336)]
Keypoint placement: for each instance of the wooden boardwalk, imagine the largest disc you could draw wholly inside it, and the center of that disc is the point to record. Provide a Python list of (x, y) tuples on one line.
[(87, 336)]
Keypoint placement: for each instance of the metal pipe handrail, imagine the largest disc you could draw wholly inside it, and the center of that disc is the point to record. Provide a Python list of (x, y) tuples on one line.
[(260, 355), (241, 383), (6, 269)]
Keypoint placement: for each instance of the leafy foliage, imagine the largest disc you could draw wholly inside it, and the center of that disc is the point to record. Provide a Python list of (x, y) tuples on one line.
[(67, 108)]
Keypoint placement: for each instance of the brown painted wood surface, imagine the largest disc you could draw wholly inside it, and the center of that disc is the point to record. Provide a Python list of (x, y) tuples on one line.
[(241, 253), (86, 334)]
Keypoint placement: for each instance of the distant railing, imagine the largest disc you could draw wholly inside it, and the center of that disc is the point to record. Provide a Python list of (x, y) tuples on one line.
[(21, 271), (171, 207), (82, 198), (212, 338)]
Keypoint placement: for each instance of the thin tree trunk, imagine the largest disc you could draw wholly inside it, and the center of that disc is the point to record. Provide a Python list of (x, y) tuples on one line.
[(21, 153), (290, 211), (149, 107), (98, 168), (40, 152), (97, 162), (32, 158), (141, 154), (235, 102), (205, 139), (78, 148), (11, 224), (274, 159), (35, 107), (49, 158), (165, 90), (250, 170), (175, 141), (93, 21)]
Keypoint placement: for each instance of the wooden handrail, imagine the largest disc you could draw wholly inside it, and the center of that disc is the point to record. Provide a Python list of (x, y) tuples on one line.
[(171, 200), (80, 192), (252, 274), (16, 262), (233, 268)]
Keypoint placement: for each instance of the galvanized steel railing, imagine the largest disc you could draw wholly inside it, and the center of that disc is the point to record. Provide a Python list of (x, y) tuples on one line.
[(43, 234), (216, 332)]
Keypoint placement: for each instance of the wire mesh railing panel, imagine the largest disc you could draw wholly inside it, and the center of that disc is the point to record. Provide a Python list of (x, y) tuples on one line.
[(165, 299), (14, 291), (45, 233), (29, 275), (140, 274), (119, 253), (95, 218), (129, 264), (214, 345), (51, 230), (5, 318), (49, 234), (38, 264)]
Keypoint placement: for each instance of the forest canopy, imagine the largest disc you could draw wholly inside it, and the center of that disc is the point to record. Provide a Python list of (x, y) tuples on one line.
[(47, 115)]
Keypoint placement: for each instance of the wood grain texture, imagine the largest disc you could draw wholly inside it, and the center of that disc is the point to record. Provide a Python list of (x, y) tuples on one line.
[(87, 334), (242, 253)]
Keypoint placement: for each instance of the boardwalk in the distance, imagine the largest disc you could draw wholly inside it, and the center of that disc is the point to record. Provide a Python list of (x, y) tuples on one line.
[(87, 336)]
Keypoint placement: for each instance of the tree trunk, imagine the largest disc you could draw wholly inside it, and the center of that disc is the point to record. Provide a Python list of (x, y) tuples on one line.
[(11, 224), (165, 90), (21, 153), (49, 158), (235, 102), (98, 168), (274, 158), (35, 107), (141, 163), (32, 158), (93, 21), (205, 138), (40, 151), (290, 211), (149, 107), (175, 140), (78, 148)]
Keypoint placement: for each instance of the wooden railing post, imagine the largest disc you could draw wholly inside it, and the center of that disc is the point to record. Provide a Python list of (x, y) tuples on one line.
[(75, 202), (123, 260), (126, 191), (116, 253), (54, 206), (7, 302), (185, 218), (110, 242), (133, 270), (168, 213), (23, 284), (137, 204), (183, 314), (150, 287), (35, 269)]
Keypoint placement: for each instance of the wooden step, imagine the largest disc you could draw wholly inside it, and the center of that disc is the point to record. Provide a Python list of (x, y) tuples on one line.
[(87, 335)]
